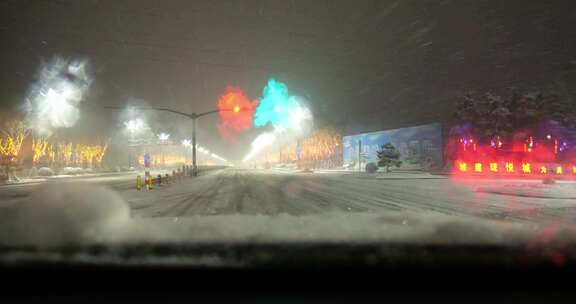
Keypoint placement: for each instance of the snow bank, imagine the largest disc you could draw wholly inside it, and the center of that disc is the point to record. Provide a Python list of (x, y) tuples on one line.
[(72, 171), (45, 171), (558, 191)]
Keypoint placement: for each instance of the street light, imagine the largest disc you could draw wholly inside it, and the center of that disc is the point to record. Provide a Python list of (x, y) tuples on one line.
[(186, 143), (163, 137), (194, 116), (133, 126)]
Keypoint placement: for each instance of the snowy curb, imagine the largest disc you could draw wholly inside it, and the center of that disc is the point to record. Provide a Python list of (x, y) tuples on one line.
[(557, 191), (397, 176)]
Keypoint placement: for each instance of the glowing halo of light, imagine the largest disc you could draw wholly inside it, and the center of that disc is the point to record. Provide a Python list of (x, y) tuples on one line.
[(53, 100)]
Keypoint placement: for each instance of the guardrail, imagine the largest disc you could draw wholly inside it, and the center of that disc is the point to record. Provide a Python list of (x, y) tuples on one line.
[(177, 176)]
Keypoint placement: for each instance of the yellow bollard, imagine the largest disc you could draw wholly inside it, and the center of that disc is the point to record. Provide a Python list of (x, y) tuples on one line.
[(150, 182), (138, 183)]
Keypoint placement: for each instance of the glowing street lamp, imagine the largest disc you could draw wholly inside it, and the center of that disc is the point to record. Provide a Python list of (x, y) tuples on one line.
[(186, 143), (163, 137), (133, 126), (193, 116)]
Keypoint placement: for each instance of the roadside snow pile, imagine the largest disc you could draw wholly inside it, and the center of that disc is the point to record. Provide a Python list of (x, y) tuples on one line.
[(557, 190), (64, 214), (72, 171), (45, 171)]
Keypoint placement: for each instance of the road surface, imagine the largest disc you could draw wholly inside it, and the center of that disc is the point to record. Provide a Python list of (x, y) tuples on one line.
[(273, 192), (269, 192)]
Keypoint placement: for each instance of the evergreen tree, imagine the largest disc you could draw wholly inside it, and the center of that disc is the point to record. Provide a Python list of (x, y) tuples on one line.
[(388, 156)]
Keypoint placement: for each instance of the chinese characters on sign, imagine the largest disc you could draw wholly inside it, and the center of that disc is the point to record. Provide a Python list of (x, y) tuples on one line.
[(509, 167)]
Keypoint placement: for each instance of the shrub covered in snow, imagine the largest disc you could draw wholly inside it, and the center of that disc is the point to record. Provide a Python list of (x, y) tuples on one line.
[(371, 167), (45, 171), (67, 171), (72, 170)]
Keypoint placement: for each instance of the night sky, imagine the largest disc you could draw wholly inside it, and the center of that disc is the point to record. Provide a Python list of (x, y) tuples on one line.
[(364, 65)]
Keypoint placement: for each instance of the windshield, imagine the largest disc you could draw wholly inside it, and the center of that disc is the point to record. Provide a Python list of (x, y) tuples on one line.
[(349, 122)]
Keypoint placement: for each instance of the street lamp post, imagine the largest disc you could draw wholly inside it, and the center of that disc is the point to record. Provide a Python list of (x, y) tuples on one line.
[(163, 137), (194, 166), (133, 126), (194, 116)]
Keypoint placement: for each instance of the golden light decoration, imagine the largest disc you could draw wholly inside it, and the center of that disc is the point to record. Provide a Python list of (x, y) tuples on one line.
[(322, 149), (70, 154), (65, 153), (12, 137), (46, 151), (168, 159), (11, 144), (90, 155), (39, 147)]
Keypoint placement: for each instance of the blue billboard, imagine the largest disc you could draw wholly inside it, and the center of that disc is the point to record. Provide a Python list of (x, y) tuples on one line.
[(419, 146)]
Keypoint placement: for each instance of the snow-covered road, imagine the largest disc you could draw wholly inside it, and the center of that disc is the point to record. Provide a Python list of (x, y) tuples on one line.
[(278, 205), (275, 192), (269, 192)]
